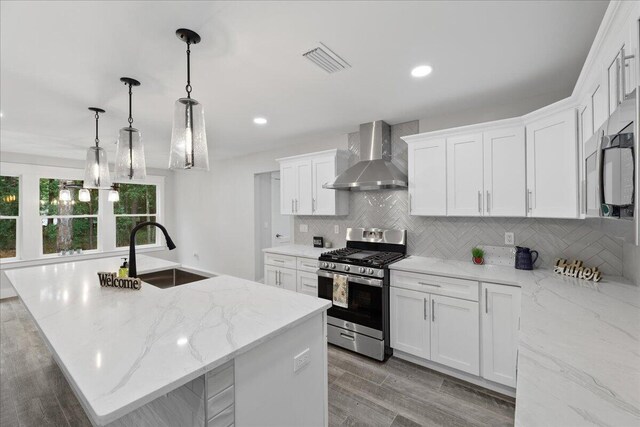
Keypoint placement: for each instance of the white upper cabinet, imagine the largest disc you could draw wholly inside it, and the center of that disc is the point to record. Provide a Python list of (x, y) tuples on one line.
[(552, 159), (499, 320), (301, 181), (428, 177), (464, 175), (599, 106), (505, 172)]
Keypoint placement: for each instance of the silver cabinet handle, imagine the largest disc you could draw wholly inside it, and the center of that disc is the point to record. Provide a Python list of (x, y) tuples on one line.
[(309, 265), (292, 206), (529, 200), (409, 202), (622, 73), (296, 205), (429, 284), (488, 204), (425, 309), (309, 286), (486, 300), (279, 278), (313, 205), (433, 310), (479, 201), (278, 260)]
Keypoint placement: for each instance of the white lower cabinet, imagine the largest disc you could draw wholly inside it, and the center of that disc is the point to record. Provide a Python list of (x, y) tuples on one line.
[(455, 333), (280, 277), (434, 327), (474, 332), (500, 320), (410, 322)]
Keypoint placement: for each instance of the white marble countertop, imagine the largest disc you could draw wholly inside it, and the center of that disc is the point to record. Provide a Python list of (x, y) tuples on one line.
[(304, 251), (579, 344), (121, 349)]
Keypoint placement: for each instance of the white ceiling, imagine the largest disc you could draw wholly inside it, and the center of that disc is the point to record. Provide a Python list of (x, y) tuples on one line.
[(58, 58)]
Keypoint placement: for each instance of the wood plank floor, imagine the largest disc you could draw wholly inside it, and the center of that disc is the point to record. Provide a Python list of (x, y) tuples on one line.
[(362, 392)]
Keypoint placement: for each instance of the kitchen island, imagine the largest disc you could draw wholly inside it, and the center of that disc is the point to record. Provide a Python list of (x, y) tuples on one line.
[(215, 352)]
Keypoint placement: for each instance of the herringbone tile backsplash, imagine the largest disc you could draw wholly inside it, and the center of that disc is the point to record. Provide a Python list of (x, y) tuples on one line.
[(453, 238)]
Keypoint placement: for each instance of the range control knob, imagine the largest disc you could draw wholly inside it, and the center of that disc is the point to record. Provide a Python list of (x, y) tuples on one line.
[(370, 271), (347, 268), (332, 265), (362, 269), (324, 264)]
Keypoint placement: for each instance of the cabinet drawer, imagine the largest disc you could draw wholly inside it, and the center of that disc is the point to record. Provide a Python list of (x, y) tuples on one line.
[(437, 285), (307, 283), (280, 260), (307, 264), (219, 379)]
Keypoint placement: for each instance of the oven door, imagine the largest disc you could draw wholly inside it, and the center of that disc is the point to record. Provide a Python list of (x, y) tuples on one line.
[(365, 302)]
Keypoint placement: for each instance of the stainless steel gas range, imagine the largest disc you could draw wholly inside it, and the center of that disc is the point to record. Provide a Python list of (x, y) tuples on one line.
[(363, 325)]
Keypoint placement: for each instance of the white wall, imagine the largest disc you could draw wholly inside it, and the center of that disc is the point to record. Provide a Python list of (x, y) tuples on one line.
[(215, 219)]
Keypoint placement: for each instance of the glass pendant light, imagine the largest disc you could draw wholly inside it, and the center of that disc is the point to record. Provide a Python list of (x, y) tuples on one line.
[(114, 196), (130, 163), (189, 136), (84, 195), (65, 194), (96, 171)]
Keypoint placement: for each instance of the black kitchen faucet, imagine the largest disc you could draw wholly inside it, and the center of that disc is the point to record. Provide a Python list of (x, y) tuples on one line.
[(132, 244)]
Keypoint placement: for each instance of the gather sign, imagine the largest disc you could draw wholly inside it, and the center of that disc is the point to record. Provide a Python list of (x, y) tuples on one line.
[(112, 280), (576, 269)]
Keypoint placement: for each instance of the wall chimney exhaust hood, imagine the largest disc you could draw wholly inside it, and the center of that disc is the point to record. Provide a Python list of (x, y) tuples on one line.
[(374, 171)]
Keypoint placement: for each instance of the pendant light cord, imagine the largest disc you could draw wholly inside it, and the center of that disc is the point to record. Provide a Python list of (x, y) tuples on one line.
[(188, 87), (97, 139)]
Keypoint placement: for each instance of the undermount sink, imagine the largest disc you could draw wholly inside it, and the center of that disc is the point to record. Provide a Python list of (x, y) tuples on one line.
[(170, 278)]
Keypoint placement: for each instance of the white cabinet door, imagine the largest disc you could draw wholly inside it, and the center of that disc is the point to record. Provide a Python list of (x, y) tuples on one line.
[(307, 283), (455, 333), (287, 279), (464, 175), (552, 160), (428, 177), (304, 190), (324, 200), (505, 172), (499, 321), (599, 106), (410, 321), (288, 188), (613, 80), (270, 275)]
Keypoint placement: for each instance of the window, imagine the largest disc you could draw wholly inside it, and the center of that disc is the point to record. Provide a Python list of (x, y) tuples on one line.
[(137, 204), (67, 225), (9, 212)]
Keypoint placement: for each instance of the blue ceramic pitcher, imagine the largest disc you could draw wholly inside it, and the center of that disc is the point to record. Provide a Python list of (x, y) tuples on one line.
[(524, 258)]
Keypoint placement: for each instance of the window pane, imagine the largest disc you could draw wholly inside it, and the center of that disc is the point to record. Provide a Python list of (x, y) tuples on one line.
[(144, 236), (136, 199), (50, 205), (9, 186), (63, 234), (7, 238)]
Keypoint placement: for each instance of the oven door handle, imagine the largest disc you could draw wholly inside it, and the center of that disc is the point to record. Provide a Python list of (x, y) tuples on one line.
[(353, 279)]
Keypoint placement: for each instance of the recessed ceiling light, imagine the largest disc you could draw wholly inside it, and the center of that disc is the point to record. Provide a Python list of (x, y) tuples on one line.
[(421, 71), (260, 121)]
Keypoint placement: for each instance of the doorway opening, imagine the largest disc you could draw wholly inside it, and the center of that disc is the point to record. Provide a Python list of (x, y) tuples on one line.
[(271, 227)]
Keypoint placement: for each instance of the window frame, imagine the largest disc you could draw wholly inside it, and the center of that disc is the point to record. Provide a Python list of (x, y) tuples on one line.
[(159, 190), (96, 216), (18, 218), (29, 239)]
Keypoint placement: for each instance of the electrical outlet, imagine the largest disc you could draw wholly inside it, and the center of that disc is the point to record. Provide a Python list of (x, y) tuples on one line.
[(304, 228), (336, 229), (301, 360), (509, 238)]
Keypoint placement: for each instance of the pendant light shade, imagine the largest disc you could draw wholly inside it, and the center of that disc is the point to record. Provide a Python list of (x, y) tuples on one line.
[(64, 195), (96, 170), (84, 195), (130, 161), (188, 137)]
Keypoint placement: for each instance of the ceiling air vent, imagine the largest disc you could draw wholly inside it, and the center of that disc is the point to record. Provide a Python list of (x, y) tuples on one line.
[(326, 59)]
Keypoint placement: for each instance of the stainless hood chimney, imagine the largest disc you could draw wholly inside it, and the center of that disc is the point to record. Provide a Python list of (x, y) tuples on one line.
[(374, 171)]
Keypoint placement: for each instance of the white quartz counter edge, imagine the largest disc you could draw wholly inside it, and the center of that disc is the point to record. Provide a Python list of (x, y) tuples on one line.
[(303, 251), (104, 416)]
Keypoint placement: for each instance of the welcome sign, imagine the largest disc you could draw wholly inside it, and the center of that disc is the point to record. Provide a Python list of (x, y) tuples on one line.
[(112, 280)]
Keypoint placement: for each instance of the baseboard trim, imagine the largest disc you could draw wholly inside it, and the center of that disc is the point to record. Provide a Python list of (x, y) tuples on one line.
[(490, 385)]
